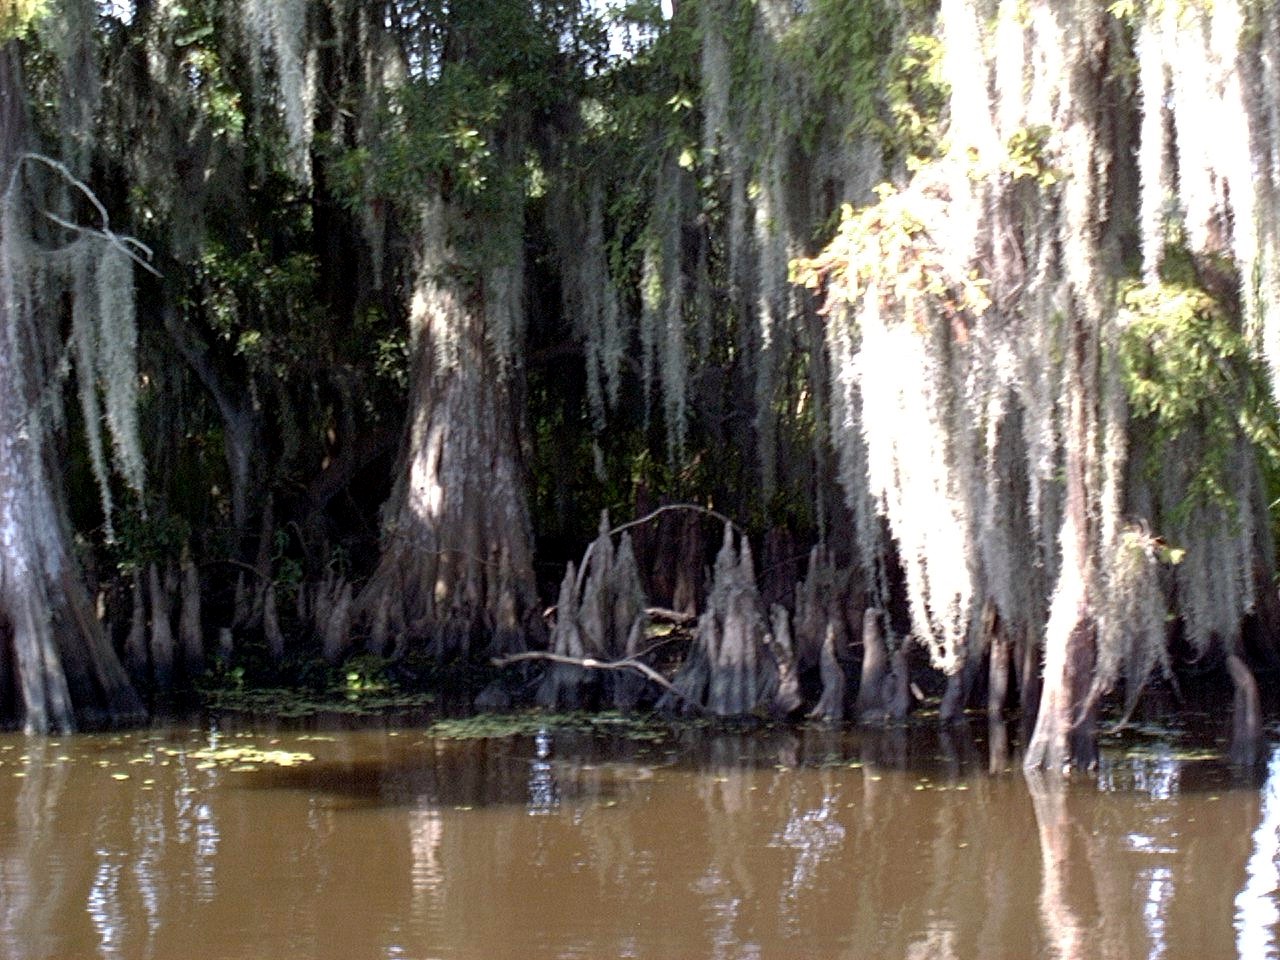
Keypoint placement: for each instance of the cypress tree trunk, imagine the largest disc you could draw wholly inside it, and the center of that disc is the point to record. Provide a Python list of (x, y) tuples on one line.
[(1064, 730), (1090, 208), (872, 697), (66, 669), (457, 551)]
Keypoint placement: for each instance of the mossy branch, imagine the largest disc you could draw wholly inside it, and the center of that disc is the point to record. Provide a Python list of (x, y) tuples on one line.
[(134, 249)]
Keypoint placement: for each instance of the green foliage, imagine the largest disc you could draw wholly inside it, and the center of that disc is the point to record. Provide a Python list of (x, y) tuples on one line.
[(289, 703), (1184, 11), (486, 68), (1188, 367), (447, 135), (217, 98), (245, 757), (364, 685), (287, 570), (144, 540), (917, 96), (832, 61), (265, 306), (366, 674), (197, 32), (837, 48)]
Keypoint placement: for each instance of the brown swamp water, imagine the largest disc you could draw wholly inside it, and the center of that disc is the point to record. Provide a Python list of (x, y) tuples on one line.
[(810, 842)]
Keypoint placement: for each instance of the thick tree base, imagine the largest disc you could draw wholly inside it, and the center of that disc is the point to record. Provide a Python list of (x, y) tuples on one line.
[(65, 674), (741, 663), (1065, 735), (884, 693), (1246, 713)]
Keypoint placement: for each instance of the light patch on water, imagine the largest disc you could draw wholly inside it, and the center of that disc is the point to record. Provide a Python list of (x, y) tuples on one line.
[(103, 904), (425, 831), (1156, 908), (206, 850), (149, 835), (544, 793), (939, 943), (1155, 771), (1256, 911), (722, 908), (1157, 776), (1145, 843), (814, 835)]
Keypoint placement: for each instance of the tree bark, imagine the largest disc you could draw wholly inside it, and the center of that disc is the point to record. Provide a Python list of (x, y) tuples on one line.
[(997, 746), (161, 632), (456, 561), (959, 687), (336, 632), (136, 658), (1026, 654), (871, 704), (787, 700), (737, 662), (190, 630), (998, 674), (567, 685), (271, 625), (1065, 722), (831, 704), (899, 684), (1246, 712), (242, 428), (66, 669)]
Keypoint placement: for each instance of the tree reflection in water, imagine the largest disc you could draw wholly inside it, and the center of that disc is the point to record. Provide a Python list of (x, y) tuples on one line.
[(1256, 911), (1128, 861), (821, 841)]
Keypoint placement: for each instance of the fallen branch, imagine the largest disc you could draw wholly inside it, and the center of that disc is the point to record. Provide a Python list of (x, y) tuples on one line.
[(671, 616), (591, 663)]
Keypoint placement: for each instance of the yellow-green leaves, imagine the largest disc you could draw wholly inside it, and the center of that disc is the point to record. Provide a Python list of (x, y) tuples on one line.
[(887, 249), (1176, 349), (1184, 355), (247, 757), (1026, 156), (17, 16)]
